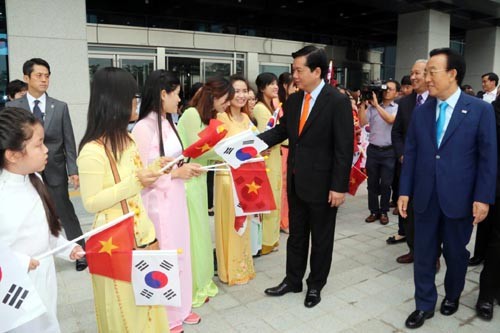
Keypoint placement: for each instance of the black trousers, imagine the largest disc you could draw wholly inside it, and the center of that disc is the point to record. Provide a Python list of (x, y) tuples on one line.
[(380, 168), (210, 188), (66, 212), (315, 221), (409, 225), (489, 282)]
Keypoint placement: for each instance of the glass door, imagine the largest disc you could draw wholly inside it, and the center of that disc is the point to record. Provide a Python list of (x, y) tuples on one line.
[(139, 66), (210, 67), (98, 61), (188, 72)]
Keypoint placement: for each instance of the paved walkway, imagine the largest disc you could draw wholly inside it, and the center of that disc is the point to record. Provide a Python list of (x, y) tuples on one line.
[(367, 290)]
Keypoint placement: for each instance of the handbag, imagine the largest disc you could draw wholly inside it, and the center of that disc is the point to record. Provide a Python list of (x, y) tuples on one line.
[(154, 245)]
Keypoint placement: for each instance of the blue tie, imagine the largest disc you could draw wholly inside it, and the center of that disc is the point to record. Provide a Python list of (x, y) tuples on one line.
[(37, 112), (440, 122)]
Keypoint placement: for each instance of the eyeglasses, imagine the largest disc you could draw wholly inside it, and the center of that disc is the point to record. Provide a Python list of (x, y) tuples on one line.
[(433, 72)]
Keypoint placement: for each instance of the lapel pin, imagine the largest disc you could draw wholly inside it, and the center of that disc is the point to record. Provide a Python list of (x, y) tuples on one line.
[(464, 111)]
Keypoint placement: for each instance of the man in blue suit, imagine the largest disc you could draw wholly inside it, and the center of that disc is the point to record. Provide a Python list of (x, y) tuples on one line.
[(449, 170)]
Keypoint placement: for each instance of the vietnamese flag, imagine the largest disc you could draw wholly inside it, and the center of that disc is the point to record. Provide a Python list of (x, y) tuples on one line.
[(209, 137), (355, 179), (109, 252), (253, 188)]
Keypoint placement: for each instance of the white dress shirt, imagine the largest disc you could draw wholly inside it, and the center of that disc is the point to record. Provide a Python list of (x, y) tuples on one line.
[(41, 105), (490, 96), (451, 101)]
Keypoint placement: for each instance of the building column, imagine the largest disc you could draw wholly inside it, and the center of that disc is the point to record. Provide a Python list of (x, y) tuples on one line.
[(482, 50), (54, 30), (419, 33)]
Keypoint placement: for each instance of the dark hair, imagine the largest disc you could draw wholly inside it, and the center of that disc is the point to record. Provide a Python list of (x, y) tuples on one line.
[(16, 127), (14, 87), (396, 83), (455, 61), (28, 65), (232, 79), (406, 81), (315, 58), (284, 81), (203, 100), (110, 106), (156, 82), (491, 77), (194, 89), (262, 81)]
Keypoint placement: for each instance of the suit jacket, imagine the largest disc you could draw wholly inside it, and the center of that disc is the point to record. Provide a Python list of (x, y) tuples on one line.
[(320, 158), (59, 140), (406, 105), (496, 106), (464, 167)]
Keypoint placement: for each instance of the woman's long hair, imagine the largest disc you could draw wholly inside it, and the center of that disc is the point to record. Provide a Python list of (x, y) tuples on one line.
[(262, 81), (111, 93), (284, 82), (156, 82), (16, 127), (203, 100)]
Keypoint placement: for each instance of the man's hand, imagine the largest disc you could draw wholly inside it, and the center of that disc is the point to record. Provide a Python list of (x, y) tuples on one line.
[(75, 180), (401, 159), (403, 205), (336, 199), (479, 211), (374, 101)]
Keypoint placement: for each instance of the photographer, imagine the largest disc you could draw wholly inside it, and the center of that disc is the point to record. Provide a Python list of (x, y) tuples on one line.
[(380, 153)]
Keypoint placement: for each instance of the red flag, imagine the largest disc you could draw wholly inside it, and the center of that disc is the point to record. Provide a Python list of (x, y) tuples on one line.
[(253, 187), (355, 179), (209, 137), (109, 253)]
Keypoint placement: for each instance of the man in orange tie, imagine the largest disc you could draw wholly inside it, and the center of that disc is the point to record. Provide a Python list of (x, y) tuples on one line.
[(318, 123)]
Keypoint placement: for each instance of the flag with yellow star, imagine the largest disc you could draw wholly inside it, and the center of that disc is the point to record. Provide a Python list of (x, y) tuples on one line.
[(109, 252), (209, 137), (356, 178), (253, 189)]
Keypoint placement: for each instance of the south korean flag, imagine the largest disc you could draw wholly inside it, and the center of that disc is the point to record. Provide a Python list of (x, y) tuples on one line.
[(19, 301), (239, 148), (155, 278)]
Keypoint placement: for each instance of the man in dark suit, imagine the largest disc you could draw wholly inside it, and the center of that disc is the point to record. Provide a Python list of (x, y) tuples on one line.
[(450, 163), (398, 135), (489, 282), (319, 125), (60, 141)]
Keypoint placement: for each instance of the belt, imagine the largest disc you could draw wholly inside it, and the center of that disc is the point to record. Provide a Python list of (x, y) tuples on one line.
[(381, 148)]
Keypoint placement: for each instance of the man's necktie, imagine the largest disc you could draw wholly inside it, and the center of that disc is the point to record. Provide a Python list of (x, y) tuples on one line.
[(37, 112), (440, 122), (420, 100), (305, 112)]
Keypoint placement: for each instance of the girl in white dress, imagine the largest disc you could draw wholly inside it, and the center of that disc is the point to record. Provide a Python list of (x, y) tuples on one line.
[(28, 223)]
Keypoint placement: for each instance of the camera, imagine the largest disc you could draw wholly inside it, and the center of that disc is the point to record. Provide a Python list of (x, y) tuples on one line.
[(378, 89)]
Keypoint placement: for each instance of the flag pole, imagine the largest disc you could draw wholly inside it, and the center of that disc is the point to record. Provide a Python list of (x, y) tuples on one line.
[(171, 163), (86, 235), (214, 166)]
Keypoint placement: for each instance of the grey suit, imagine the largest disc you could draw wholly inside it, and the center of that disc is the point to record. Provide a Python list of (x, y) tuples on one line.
[(60, 142)]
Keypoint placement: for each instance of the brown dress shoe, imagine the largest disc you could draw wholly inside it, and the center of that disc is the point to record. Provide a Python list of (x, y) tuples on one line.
[(395, 211), (372, 218), (384, 219), (405, 258)]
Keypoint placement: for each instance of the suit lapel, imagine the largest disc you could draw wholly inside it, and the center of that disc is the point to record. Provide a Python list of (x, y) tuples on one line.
[(49, 112), (296, 115), (24, 103), (318, 106), (431, 118), (456, 118)]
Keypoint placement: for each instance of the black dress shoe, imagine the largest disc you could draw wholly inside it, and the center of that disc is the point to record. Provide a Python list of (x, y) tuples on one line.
[(449, 307), (313, 297), (81, 264), (476, 260), (417, 318), (392, 240), (282, 289), (484, 309)]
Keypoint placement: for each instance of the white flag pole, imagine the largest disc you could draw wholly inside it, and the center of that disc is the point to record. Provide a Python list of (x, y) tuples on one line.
[(171, 163), (86, 235), (215, 166)]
